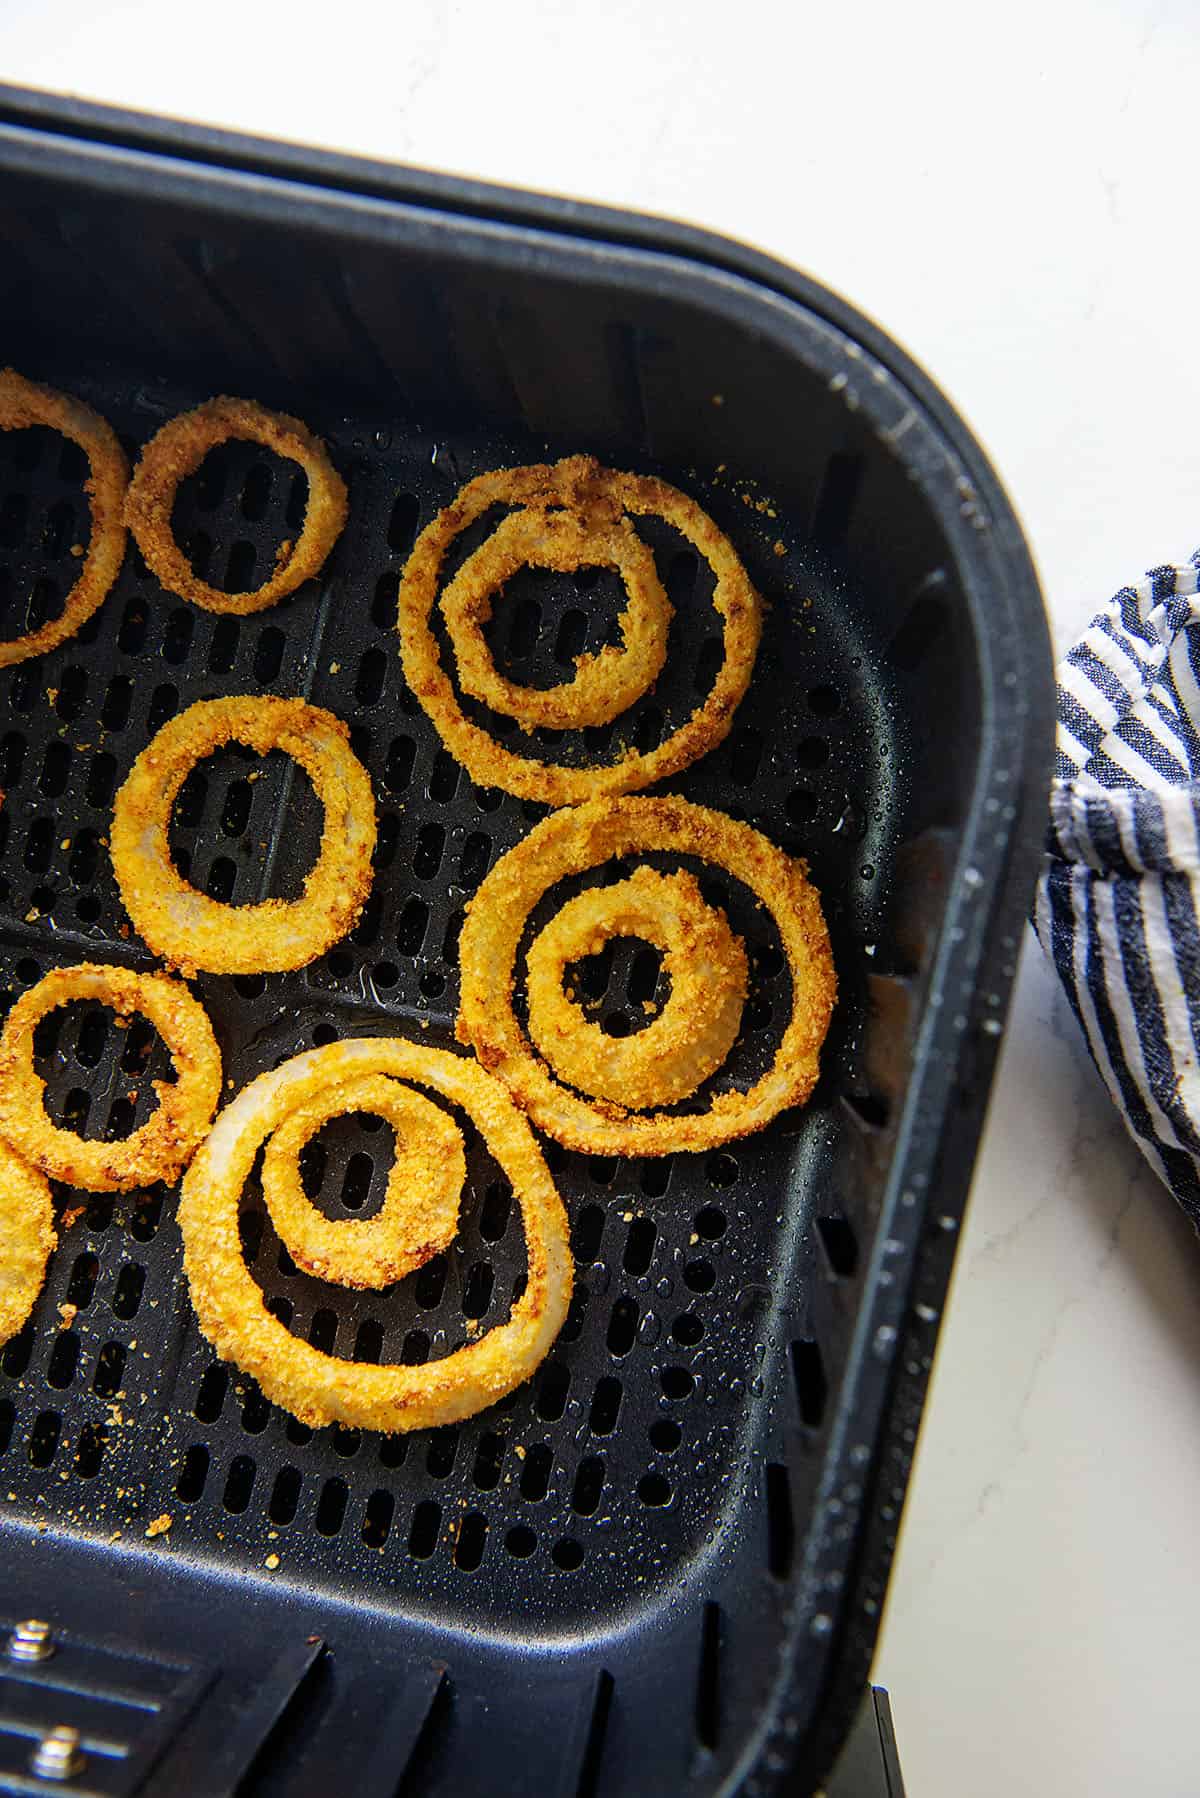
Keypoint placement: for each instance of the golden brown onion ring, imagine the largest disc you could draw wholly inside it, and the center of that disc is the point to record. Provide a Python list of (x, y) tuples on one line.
[(573, 841), (316, 1387), (184, 925), (605, 684), (178, 449), (27, 1237), (597, 496), (165, 1142), (419, 1215), (697, 1026), (24, 403)]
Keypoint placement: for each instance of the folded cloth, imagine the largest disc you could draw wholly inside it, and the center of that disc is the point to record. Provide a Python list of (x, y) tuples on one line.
[(1118, 901)]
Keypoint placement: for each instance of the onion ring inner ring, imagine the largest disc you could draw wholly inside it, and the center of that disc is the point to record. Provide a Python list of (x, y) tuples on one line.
[(571, 842), (316, 1387), (419, 1216), (24, 403), (185, 926), (166, 1141), (178, 449), (597, 496), (696, 1028), (27, 1237), (604, 684)]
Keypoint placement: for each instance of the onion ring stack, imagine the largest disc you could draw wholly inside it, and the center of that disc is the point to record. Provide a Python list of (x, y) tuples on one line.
[(184, 925), (27, 1237), (22, 404), (572, 842), (166, 1141), (316, 1387), (178, 449), (574, 515), (419, 1216)]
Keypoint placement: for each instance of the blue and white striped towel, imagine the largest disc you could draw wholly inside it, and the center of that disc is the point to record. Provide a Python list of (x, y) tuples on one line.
[(1118, 902)]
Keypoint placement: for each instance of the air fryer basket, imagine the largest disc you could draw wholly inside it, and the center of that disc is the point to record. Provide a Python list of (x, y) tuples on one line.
[(658, 1567)]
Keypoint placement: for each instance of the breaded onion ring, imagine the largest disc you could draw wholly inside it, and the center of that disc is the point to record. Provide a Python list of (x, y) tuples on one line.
[(697, 1026), (178, 449), (570, 842), (598, 498), (604, 684), (167, 1139), (316, 1387), (27, 1237), (24, 403), (419, 1215), (184, 925)]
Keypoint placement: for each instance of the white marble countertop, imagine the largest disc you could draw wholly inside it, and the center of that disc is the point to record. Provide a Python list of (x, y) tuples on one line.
[(1013, 196)]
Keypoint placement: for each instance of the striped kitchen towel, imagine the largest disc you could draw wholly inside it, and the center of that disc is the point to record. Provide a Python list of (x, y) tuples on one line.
[(1118, 901)]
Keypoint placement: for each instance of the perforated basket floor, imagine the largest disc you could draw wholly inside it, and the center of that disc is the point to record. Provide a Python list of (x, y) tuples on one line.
[(616, 1465)]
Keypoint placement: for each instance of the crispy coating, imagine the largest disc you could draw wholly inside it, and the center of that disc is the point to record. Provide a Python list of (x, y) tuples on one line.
[(598, 497), (24, 403), (697, 1026), (604, 684), (166, 1141), (185, 926), (27, 1237), (316, 1387), (573, 841), (178, 449), (419, 1215)]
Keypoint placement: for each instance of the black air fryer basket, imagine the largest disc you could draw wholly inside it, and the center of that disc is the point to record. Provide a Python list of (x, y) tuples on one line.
[(659, 1566)]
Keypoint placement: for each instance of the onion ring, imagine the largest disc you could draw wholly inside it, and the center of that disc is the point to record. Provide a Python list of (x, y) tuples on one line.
[(573, 841), (185, 926), (316, 1387), (598, 497), (24, 403), (178, 449), (419, 1216), (27, 1237), (604, 684), (697, 1026), (166, 1141)]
